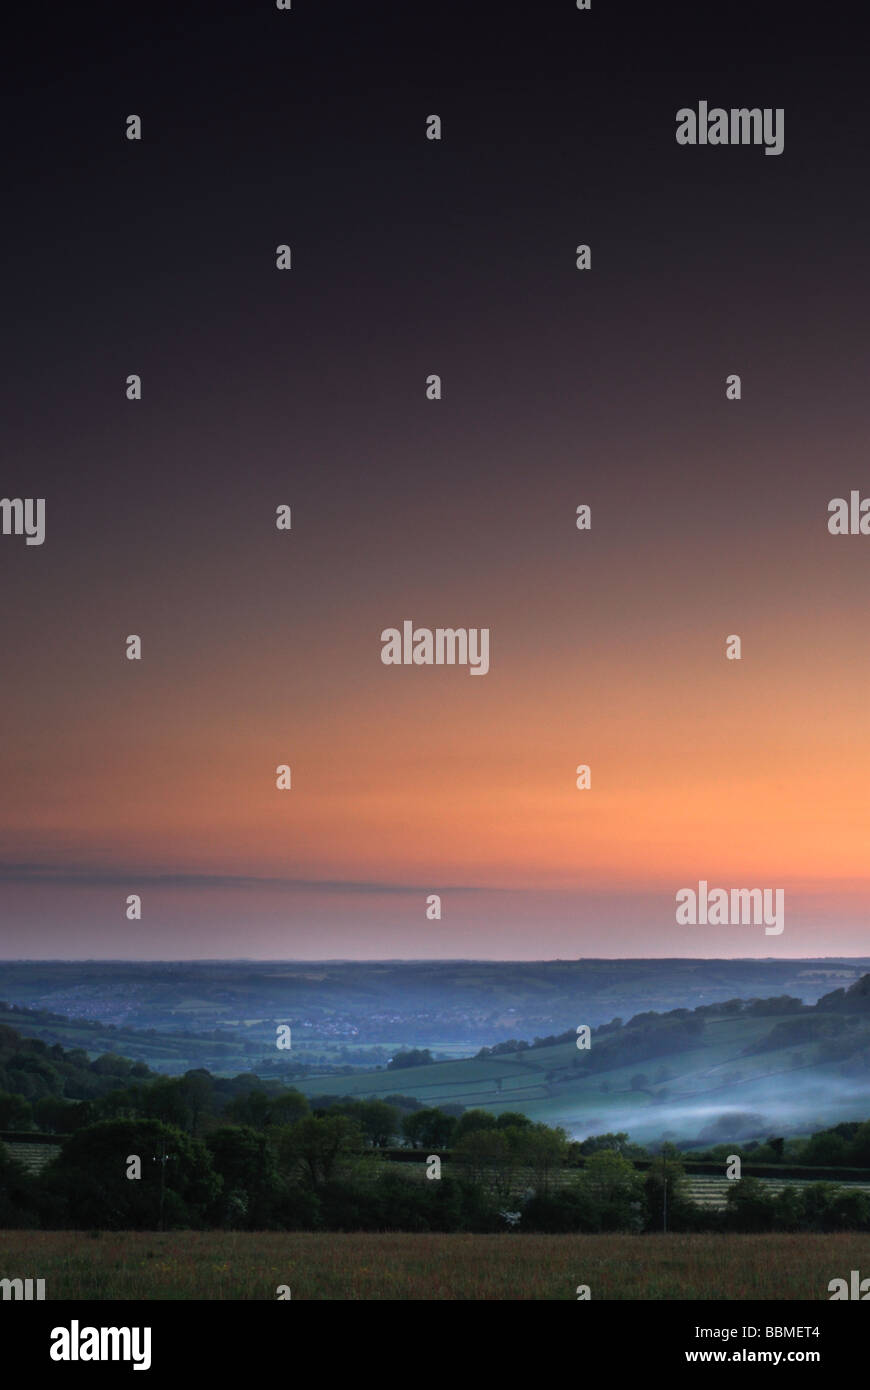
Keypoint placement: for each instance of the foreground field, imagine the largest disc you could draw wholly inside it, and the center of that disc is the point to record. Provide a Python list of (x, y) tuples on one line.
[(244, 1265)]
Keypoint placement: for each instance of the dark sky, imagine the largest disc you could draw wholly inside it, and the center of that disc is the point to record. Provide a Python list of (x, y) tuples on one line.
[(307, 388)]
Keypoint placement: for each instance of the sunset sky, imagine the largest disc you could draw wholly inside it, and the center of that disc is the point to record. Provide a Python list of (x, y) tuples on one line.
[(307, 387)]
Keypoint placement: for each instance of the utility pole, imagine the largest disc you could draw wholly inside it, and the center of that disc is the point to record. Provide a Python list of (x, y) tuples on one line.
[(162, 1160)]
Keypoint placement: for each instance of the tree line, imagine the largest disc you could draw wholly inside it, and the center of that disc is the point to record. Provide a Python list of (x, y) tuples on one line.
[(271, 1166)]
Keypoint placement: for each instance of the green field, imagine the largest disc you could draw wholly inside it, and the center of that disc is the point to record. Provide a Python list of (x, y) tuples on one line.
[(555, 1085), (251, 1265), (705, 1190), (245, 1046)]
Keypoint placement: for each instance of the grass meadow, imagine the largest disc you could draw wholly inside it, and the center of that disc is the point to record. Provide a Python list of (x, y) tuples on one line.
[(216, 1265)]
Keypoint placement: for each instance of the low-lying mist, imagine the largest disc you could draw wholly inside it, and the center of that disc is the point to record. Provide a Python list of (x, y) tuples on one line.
[(760, 1113)]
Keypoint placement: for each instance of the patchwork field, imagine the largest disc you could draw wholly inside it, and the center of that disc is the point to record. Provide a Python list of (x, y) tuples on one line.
[(712, 1193), (243, 1265), (681, 1091)]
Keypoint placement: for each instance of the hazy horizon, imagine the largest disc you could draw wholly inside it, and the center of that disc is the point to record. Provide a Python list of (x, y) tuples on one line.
[(405, 960)]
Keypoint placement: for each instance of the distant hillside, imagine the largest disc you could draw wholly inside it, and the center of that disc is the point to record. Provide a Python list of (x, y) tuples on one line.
[(58, 1090), (855, 998), (759, 1066), (221, 1014), (170, 1053)]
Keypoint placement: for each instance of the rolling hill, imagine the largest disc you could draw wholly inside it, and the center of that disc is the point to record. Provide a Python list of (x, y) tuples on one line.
[(752, 1068)]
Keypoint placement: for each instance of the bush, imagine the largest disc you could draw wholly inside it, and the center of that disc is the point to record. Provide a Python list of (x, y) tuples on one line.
[(751, 1207), (18, 1198), (87, 1185), (556, 1214)]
